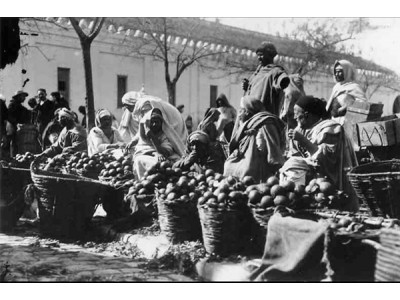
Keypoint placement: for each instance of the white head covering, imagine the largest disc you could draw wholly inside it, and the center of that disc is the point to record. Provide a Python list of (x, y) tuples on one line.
[(64, 112), (172, 136), (101, 113), (130, 98), (171, 114)]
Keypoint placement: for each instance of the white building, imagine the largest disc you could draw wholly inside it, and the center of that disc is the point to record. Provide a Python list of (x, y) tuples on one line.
[(53, 60)]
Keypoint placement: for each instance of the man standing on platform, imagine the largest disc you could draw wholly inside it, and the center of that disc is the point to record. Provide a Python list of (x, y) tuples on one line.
[(268, 81)]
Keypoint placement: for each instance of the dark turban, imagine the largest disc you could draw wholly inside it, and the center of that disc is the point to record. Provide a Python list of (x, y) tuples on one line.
[(312, 105), (267, 48)]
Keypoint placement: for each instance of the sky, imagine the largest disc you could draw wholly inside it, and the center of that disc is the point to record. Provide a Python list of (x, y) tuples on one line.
[(381, 45)]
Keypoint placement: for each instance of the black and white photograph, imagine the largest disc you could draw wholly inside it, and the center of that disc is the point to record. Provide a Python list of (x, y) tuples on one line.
[(200, 146)]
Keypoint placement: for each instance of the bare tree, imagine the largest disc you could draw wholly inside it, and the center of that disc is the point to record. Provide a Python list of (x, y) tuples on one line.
[(178, 44), (86, 40)]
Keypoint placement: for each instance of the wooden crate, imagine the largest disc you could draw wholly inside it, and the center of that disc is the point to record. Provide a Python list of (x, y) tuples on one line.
[(360, 111), (379, 133)]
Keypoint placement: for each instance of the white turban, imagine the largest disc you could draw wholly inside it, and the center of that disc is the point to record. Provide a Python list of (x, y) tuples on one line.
[(64, 112), (130, 98)]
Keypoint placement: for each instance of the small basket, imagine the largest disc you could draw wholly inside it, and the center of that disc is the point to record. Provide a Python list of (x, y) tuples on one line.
[(66, 202), (225, 231), (12, 186), (178, 221), (387, 266), (378, 185)]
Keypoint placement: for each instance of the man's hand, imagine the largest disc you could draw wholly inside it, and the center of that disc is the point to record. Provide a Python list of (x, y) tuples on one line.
[(245, 84), (193, 156), (295, 135), (161, 158)]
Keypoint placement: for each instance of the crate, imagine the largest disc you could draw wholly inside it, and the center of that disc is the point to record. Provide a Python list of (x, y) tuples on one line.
[(360, 111), (379, 133)]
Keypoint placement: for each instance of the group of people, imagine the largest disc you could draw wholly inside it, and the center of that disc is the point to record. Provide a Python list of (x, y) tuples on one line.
[(254, 141), (33, 129)]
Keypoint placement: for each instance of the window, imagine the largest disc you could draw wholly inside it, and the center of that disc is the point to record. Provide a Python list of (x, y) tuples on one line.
[(63, 82), (213, 95), (121, 88)]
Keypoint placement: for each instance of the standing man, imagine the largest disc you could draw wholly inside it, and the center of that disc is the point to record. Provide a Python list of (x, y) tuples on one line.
[(45, 109), (268, 81), (58, 100), (3, 123), (17, 114)]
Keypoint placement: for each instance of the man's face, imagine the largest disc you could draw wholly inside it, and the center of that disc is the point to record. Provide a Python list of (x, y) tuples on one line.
[(219, 103), (64, 121), (263, 58), (21, 97), (244, 115), (155, 125), (129, 107), (41, 95), (300, 116), (105, 122), (339, 74), (199, 147)]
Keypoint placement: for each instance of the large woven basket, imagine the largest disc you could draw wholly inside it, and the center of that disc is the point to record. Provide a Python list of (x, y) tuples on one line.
[(378, 185), (226, 231), (66, 202), (12, 185), (388, 257), (179, 221)]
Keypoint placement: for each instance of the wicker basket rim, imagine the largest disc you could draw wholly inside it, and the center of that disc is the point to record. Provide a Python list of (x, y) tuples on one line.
[(14, 168), (37, 173), (356, 170)]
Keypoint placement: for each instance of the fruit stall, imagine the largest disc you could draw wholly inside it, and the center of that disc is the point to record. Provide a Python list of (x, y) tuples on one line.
[(229, 216)]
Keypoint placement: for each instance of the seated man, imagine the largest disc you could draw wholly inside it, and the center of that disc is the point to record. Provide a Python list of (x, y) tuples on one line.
[(199, 155), (103, 136), (71, 139), (152, 143), (257, 146), (322, 143)]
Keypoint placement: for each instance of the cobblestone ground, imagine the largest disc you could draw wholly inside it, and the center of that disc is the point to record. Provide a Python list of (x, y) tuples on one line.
[(33, 258)]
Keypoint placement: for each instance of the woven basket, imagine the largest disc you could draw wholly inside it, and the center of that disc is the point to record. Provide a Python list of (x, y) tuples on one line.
[(378, 185), (225, 232), (388, 257), (12, 185), (178, 221), (66, 202)]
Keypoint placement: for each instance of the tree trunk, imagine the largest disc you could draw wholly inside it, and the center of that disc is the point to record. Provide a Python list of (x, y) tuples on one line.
[(171, 93), (89, 85)]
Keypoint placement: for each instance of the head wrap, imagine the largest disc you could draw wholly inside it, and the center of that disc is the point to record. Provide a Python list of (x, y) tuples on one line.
[(224, 100), (312, 105), (171, 115), (130, 98), (210, 117), (173, 137), (198, 135), (349, 70), (267, 48), (64, 112), (101, 113), (252, 104)]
